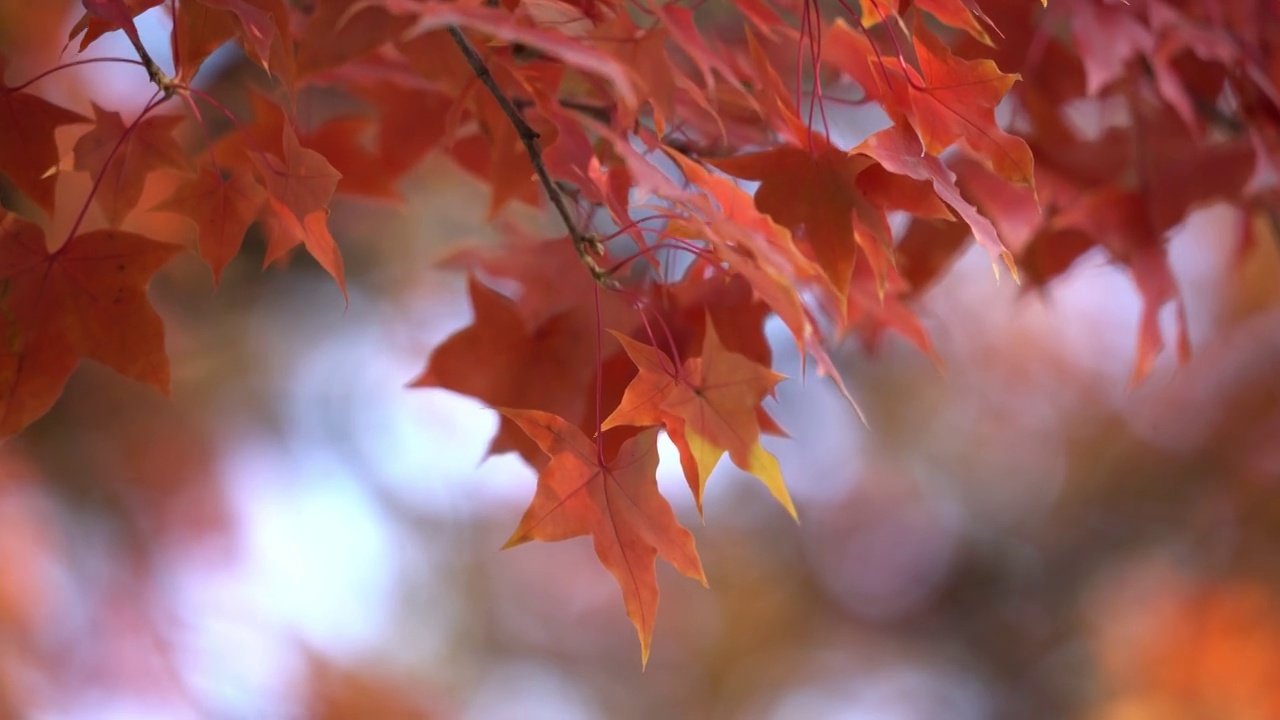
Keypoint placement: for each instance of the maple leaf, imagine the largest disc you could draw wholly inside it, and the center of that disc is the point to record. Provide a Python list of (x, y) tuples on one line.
[(86, 300), (815, 194), (549, 273), (1122, 220), (285, 230), (263, 25), (299, 185), (222, 207), (30, 150), (948, 100), (503, 26), (1108, 36), (504, 362), (411, 121), (104, 16), (333, 36), (122, 157), (710, 61), (198, 31), (615, 501), (958, 104), (709, 406), (963, 14), (900, 152), (760, 249), (362, 172), (301, 179)]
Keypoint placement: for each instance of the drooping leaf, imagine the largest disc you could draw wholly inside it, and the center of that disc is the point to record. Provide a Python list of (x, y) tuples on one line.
[(285, 231), (615, 500), (962, 14), (1121, 221), (899, 151), (86, 300)]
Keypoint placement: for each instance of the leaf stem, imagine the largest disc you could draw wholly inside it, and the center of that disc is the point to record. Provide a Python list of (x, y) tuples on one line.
[(73, 63), (599, 377)]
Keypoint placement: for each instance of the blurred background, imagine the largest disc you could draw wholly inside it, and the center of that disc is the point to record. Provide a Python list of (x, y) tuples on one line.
[(295, 534)]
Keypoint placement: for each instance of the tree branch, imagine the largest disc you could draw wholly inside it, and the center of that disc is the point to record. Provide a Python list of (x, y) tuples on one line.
[(588, 245)]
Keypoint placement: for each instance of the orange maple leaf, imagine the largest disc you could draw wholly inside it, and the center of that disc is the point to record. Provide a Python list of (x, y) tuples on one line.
[(962, 14), (85, 300), (710, 406), (957, 103), (616, 502)]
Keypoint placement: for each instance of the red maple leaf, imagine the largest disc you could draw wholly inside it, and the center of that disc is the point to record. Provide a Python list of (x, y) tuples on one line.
[(222, 207), (104, 16), (504, 362), (86, 300), (120, 158), (28, 123), (814, 192), (947, 100), (198, 31)]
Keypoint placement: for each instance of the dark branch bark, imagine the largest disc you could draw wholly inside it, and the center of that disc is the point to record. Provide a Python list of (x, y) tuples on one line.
[(588, 245)]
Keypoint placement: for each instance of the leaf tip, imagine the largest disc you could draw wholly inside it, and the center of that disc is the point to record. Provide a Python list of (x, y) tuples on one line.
[(1010, 263), (517, 538)]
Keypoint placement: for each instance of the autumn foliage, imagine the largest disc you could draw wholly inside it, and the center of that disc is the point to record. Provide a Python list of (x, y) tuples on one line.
[(695, 157)]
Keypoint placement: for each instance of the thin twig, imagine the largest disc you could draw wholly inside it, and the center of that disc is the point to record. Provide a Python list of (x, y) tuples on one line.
[(589, 246)]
